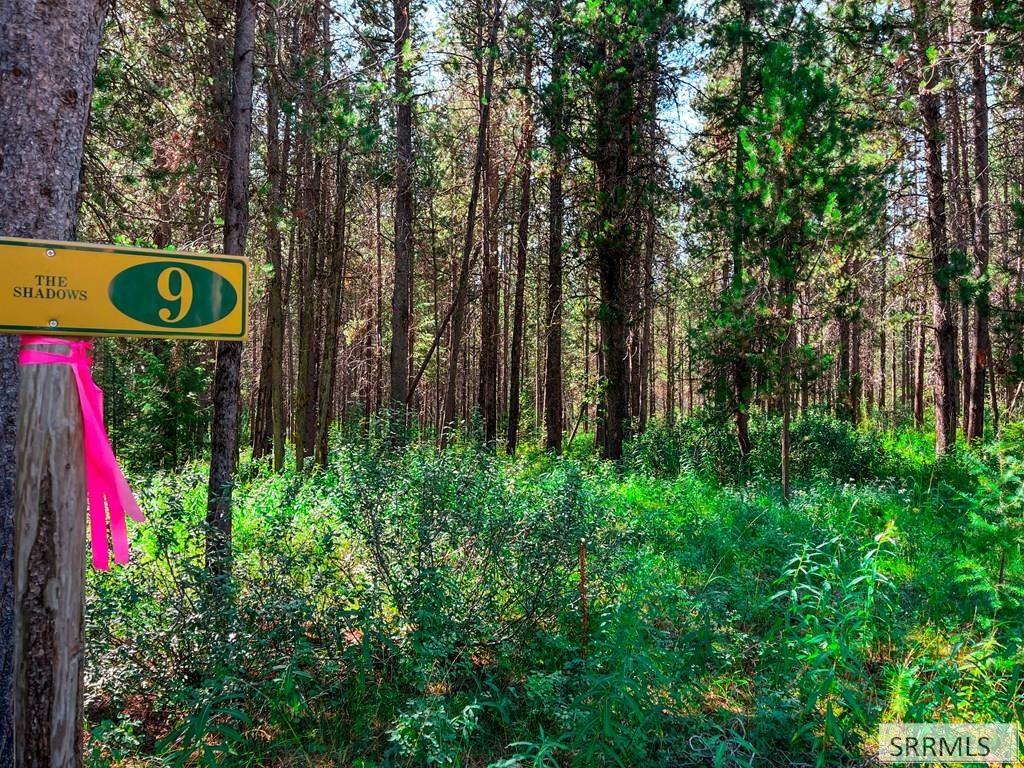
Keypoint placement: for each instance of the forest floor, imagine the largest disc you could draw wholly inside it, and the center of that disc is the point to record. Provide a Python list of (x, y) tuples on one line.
[(421, 608)]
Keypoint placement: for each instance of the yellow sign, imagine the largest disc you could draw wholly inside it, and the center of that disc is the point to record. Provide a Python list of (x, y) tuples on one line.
[(81, 289)]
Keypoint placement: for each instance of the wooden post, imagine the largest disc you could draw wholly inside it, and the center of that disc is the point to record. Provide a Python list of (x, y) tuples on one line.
[(49, 568)]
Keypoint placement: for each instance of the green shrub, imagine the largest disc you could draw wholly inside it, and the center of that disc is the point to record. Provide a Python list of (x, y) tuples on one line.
[(405, 607)]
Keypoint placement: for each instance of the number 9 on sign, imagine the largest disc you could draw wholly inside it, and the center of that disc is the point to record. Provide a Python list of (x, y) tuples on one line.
[(175, 286)]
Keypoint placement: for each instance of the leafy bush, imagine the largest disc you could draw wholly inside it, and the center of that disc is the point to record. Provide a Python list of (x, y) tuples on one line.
[(407, 607), (822, 446)]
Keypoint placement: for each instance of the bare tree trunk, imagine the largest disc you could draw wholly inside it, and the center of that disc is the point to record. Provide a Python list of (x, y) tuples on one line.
[(944, 377), (905, 369), (400, 308), (805, 380), (788, 298), (919, 378), (883, 328), (271, 399), (378, 308), (553, 407), (844, 382), (670, 364), (277, 163), (613, 248), (450, 415), (538, 346), (995, 403), (856, 326), (522, 249), (741, 373), (305, 385), (335, 299), (48, 58), (960, 219), (587, 348), (226, 384), (259, 408), (982, 226), (689, 371), (488, 384), (648, 311)]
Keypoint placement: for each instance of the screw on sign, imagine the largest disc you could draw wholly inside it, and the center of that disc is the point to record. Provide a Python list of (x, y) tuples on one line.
[(54, 294)]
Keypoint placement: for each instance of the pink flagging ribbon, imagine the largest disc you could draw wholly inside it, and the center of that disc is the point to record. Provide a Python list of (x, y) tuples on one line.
[(108, 490)]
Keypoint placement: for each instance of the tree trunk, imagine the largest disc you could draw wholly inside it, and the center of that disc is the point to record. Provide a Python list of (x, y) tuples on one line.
[(919, 378), (788, 298), (335, 299), (741, 372), (944, 377), (259, 411), (959, 218), (487, 396), (648, 311), (378, 310), (856, 326), (458, 303), (271, 400), (982, 225), (882, 340), (277, 170), (522, 250), (553, 407), (614, 241), (305, 385), (226, 385), (48, 58), (670, 363), (400, 308)]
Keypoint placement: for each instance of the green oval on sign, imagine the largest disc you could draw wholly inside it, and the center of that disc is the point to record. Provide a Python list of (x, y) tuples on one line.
[(172, 294)]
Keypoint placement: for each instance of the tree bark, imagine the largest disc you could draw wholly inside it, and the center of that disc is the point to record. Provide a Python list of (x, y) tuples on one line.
[(335, 299), (271, 419), (960, 219), (487, 397), (844, 383), (670, 363), (45, 95), (614, 240), (308, 225), (459, 300), (982, 225), (883, 330), (856, 326), (919, 378), (48, 58), (226, 385), (553, 406), (648, 313), (741, 384), (400, 306), (277, 164), (789, 330), (944, 375), (522, 250)]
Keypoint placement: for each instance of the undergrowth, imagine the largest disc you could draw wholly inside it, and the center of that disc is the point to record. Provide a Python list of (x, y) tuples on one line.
[(409, 607)]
